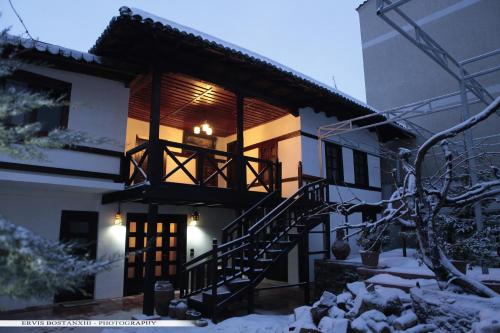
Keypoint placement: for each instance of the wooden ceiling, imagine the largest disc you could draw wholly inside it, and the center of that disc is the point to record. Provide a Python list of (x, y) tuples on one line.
[(187, 102)]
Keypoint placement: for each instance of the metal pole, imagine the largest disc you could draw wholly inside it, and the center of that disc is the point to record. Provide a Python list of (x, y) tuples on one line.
[(469, 152)]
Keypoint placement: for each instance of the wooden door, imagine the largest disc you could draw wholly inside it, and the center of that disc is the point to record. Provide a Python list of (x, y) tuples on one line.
[(79, 228), (268, 151), (170, 250)]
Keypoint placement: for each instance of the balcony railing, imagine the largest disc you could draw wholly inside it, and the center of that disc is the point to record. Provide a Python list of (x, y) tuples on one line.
[(188, 164)]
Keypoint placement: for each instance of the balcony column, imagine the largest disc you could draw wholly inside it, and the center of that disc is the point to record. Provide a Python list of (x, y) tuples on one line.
[(155, 162), (240, 162)]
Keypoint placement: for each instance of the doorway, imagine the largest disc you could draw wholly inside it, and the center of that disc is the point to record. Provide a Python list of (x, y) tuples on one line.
[(170, 250), (79, 228)]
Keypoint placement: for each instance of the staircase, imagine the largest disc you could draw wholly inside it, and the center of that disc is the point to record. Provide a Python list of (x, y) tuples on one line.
[(250, 246)]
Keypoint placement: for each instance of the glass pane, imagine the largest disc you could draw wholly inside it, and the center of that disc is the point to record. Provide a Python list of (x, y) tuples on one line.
[(131, 258), (172, 269), (157, 270), (173, 242), (173, 228), (143, 271), (158, 255), (131, 242), (159, 227), (132, 227), (172, 255), (145, 227), (130, 272), (144, 256), (145, 242), (158, 241)]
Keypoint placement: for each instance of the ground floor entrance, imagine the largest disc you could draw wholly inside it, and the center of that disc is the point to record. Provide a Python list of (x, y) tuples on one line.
[(169, 248)]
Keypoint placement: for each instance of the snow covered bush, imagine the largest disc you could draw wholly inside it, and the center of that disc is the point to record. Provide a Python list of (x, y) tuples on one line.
[(431, 205)]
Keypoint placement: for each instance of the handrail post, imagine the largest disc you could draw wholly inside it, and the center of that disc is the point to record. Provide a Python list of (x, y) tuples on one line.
[(213, 275), (125, 168), (251, 263), (199, 167)]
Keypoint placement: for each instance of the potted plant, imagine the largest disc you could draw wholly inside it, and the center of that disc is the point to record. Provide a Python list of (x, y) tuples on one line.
[(371, 242)]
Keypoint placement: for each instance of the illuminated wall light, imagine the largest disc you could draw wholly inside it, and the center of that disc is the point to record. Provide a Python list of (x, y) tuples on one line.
[(195, 217), (118, 216)]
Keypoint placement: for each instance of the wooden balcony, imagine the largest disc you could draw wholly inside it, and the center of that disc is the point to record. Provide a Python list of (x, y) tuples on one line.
[(194, 175)]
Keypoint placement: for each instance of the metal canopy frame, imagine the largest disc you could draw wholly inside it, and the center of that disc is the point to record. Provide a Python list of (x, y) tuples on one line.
[(401, 115)]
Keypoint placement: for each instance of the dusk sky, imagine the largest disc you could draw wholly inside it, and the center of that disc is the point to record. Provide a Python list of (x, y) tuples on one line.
[(319, 38)]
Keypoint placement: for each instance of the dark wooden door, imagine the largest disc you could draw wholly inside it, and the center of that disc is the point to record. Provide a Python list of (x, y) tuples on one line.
[(170, 250), (232, 170), (79, 228), (268, 151)]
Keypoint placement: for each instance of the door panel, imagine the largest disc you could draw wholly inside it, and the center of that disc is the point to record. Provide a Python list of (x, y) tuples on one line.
[(79, 228), (169, 252)]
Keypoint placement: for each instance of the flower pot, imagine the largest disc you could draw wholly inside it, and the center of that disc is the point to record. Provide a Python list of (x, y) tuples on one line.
[(461, 265), (340, 248), (164, 293), (369, 258)]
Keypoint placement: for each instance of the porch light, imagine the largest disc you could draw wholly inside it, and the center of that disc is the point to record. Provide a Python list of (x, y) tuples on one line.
[(195, 217), (118, 216), (205, 127)]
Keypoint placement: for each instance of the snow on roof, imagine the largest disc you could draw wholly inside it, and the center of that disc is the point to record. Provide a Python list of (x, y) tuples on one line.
[(362, 4), (238, 49), (27, 43)]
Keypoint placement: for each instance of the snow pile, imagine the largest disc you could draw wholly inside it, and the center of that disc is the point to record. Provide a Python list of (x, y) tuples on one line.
[(360, 310)]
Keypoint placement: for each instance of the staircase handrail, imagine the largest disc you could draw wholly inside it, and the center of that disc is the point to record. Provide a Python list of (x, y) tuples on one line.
[(245, 214)]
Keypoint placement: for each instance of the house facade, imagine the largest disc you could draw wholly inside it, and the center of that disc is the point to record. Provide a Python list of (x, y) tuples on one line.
[(197, 131)]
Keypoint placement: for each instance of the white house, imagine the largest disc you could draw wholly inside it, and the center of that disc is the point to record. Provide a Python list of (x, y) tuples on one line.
[(198, 127)]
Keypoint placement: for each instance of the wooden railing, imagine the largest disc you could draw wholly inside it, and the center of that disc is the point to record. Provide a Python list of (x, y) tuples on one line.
[(183, 163), (237, 257)]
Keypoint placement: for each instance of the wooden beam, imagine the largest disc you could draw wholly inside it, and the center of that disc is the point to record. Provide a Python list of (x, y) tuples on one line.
[(139, 83)]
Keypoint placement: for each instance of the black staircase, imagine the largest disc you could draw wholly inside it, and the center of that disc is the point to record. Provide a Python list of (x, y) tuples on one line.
[(250, 246)]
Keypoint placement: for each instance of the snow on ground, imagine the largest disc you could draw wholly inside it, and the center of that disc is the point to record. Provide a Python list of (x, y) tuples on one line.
[(393, 261)]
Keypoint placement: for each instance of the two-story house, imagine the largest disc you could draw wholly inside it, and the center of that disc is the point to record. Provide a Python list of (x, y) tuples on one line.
[(199, 131)]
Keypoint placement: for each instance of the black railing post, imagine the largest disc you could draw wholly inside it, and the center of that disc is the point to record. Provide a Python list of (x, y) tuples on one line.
[(279, 178), (306, 269), (214, 278), (200, 161), (251, 263), (240, 160), (125, 168)]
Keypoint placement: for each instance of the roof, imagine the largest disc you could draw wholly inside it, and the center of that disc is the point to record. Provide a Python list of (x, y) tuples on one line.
[(146, 17), (42, 47), (92, 64), (138, 36)]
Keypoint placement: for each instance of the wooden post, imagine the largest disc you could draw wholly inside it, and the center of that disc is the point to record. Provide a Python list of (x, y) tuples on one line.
[(149, 278), (240, 162), (299, 175), (251, 263), (155, 161), (306, 269), (214, 278), (326, 189)]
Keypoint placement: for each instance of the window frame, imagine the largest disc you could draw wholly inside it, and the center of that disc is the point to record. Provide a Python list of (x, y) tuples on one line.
[(361, 170), (37, 83), (338, 174)]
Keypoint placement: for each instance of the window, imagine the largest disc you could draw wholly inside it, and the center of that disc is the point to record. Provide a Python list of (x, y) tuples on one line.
[(360, 168), (334, 163), (50, 118)]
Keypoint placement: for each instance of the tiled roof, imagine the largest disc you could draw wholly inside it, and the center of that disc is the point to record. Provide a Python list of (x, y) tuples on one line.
[(26, 43), (153, 20)]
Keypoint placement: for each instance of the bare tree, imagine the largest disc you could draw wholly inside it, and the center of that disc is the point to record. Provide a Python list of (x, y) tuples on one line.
[(420, 202)]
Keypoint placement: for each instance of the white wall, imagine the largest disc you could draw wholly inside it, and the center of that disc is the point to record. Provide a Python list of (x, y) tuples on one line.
[(98, 107), (363, 140), (43, 217)]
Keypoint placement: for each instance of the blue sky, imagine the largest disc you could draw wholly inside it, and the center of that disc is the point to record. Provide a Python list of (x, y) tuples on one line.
[(319, 38)]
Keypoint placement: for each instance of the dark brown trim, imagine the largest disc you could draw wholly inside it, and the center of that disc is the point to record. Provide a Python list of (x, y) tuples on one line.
[(309, 135), (315, 137), (60, 171), (277, 139), (94, 150), (346, 184), (289, 179)]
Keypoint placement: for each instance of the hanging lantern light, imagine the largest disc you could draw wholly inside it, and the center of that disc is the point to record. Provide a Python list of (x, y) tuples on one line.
[(118, 216), (195, 217), (197, 130), (205, 127)]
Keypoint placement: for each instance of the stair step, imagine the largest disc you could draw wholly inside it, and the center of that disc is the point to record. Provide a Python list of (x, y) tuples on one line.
[(237, 283), (221, 291), (245, 269)]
